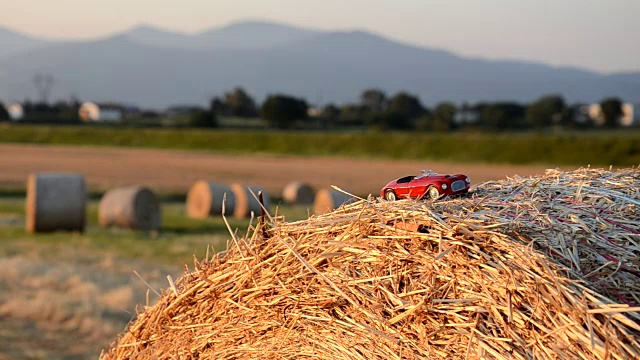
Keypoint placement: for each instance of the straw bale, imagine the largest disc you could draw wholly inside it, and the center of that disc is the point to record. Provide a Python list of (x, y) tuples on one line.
[(537, 268), (205, 199), (55, 201), (327, 200), (298, 193), (132, 207), (246, 200)]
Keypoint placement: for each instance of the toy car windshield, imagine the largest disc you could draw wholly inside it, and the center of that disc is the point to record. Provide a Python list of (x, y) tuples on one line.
[(425, 173)]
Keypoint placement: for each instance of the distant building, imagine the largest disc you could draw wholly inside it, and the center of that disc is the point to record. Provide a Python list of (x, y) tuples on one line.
[(15, 110), (580, 114), (596, 115), (313, 112), (183, 110), (466, 115), (629, 117), (92, 112)]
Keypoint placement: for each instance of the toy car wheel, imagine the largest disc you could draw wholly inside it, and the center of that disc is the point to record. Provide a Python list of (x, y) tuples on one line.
[(390, 195), (433, 193)]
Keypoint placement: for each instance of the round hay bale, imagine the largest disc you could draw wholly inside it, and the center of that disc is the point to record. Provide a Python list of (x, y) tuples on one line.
[(55, 201), (131, 207), (298, 193), (501, 283), (328, 200), (246, 202), (205, 198)]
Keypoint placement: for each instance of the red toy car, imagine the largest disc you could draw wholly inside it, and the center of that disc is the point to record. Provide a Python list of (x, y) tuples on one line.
[(427, 183)]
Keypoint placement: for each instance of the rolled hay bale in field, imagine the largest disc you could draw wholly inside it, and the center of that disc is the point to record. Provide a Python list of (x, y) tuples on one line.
[(298, 193), (130, 207), (519, 269), (246, 202), (205, 199), (55, 201), (327, 200)]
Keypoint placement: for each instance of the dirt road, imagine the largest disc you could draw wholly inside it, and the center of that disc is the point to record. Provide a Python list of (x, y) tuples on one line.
[(175, 171)]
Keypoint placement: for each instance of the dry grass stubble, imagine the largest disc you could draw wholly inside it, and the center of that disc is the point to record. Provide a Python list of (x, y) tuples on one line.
[(67, 309), (490, 276), (176, 171)]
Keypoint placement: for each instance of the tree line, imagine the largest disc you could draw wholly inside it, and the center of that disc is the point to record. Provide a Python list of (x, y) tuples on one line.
[(404, 111), (374, 109)]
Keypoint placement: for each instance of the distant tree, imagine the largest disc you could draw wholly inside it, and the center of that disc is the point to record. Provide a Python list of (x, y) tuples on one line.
[(388, 120), (502, 115), (443, 116), (406, 105), (546, 111), (4, 114), (203, 119), (67, 110), (27, 106), (282, 111), (575, 117), (611, 111), (424, 122), (373, 100), (218, 106), (400, 114), (43, 108), (329, 115), (150, 114), (353, 114), (239, 103)]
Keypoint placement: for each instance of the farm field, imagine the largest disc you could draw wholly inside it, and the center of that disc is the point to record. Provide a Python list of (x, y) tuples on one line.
[(67, 295), (168, 171), (576, 148)]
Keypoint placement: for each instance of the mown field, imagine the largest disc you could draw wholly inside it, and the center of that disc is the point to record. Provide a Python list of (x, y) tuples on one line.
[(174, 171), (620, 148), (67, 295)]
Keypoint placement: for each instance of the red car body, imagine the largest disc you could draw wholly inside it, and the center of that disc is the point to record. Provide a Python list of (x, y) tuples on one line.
[(427, 184)]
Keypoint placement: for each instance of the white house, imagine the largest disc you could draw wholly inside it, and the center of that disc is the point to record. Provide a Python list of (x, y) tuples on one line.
[(15, 110), (92, 112), (466, 114), (596, 115), (630, 117)]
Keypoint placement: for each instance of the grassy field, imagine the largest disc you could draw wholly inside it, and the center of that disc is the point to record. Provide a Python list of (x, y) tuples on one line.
[(67, 295), (619, 148)]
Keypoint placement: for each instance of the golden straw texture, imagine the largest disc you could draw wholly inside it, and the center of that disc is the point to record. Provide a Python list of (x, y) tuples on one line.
[(539, 268)]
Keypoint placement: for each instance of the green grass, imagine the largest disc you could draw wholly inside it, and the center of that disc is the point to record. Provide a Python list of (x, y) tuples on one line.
[(180, 239), (62, 281), (620, 148)]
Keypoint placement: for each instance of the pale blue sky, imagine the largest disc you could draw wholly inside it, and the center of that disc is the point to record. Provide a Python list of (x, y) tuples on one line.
[(601, 35)]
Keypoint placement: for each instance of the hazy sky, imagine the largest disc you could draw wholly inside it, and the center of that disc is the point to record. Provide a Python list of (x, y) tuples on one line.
[(601, 35)]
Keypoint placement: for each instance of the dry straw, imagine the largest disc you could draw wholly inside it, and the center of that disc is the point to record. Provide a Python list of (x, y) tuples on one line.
[(246, 200), (132, 207), (298, 192), (205, 198), (327, 200), (538, 268)]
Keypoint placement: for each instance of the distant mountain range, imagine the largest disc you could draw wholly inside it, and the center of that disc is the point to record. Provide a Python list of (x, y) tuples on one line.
[(156, 68), (12, 43)]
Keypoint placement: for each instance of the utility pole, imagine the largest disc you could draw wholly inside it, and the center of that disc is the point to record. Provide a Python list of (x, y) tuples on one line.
[(44, 84)]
